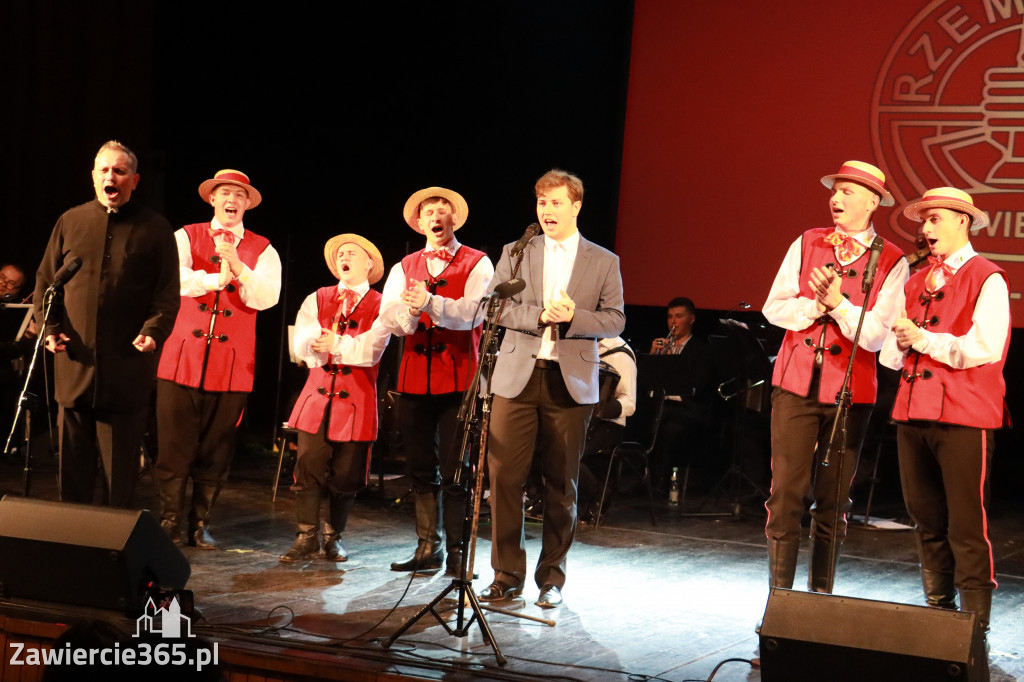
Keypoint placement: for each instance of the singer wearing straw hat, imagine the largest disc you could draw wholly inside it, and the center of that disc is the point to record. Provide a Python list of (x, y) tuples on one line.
[(951, 347), (228, 274), (117, 312), (339, 338), (817, 298), (431, 298)]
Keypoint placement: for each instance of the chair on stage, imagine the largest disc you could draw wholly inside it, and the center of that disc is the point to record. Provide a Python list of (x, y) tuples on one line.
[(641, 436)]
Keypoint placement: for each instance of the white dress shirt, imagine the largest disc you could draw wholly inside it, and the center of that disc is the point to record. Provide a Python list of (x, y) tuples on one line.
[(983, 342), (450, 313), (361, 350), (786, 308), (559, 257), (259, 287), (623, 363)]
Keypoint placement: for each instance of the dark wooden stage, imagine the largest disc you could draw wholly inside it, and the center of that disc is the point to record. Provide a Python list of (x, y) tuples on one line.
[(670, 602)]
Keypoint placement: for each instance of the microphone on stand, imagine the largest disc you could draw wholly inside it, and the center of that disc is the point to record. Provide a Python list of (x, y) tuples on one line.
[(532, 231), (67, 271), (507, 289), (742, 305), (869, 272), (922, 253)]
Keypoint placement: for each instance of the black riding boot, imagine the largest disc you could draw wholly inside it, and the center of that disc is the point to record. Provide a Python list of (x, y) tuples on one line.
[(980, 602), (817, 574), (204, 495), (172, 500), (338, 508), (939, 590), (428, 555), (307, 518), (782, 556)]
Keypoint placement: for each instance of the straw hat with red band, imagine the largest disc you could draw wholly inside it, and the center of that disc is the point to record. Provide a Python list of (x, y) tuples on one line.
[(951, 198), (335, 243), (229, 176), (412, 207), (864, 174)]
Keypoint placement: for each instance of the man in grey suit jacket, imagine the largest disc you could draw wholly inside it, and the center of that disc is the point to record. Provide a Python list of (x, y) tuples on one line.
[(545, 384)]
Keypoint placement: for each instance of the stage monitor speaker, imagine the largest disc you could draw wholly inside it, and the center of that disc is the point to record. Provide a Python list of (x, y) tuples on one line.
[(809, 637), (85, 555)]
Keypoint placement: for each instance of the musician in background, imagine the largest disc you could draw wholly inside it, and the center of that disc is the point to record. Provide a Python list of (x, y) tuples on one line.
[(12, 279), (688, 398), (681, 316)]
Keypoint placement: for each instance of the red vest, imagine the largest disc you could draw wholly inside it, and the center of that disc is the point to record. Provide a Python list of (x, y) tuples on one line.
[(434, 359), (224, 359), (350, 393), (934, 391), (795, 364)]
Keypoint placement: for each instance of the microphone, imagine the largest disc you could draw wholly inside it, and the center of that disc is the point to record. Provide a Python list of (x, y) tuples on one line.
[(532, 231), (869, 272), (66, 272), (742, 305), (922, 253), (507, 289)]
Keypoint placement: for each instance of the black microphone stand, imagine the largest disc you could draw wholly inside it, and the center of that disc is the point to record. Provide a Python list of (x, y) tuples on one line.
[(837, 439), (468, 425), (25, 398)]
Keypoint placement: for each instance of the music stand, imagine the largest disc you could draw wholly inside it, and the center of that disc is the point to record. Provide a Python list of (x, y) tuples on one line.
[(749, 389)]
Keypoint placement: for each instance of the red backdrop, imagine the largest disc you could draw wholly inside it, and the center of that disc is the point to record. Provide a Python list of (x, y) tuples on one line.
[(737, 108)]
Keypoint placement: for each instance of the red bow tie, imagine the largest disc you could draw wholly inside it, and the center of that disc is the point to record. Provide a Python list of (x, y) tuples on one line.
[(440, 255), (939, 273), (847, 248), (228, 235), (348, 299)]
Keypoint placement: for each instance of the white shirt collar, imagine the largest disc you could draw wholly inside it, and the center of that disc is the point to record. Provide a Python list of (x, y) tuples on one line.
[(360, 289), (956, 260), (864, 237), (451, 247), (238, 230), (569, 243)]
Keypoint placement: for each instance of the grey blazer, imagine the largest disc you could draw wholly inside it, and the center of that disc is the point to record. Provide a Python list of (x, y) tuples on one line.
[(595, 286)]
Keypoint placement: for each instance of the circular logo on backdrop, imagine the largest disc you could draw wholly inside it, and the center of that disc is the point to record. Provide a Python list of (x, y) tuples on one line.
[(948, 110)]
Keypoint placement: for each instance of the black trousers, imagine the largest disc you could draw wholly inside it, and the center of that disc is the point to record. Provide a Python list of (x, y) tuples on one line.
[(429, 425), (944, 472), (322, 464), (89, 438), (196, 432), (546, 422), (800, 433)]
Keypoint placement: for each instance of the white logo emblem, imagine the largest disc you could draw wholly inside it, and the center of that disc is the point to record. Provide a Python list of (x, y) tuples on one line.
[(171, 621), (948, 110)]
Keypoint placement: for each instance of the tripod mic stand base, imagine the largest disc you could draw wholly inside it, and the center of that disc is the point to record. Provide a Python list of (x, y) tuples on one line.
[(466, 597)]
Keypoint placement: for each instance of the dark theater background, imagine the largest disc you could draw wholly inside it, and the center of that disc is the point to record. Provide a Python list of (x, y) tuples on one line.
[(700, 129)]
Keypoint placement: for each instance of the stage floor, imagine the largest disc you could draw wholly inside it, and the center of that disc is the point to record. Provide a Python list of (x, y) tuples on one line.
[(669, 602)]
